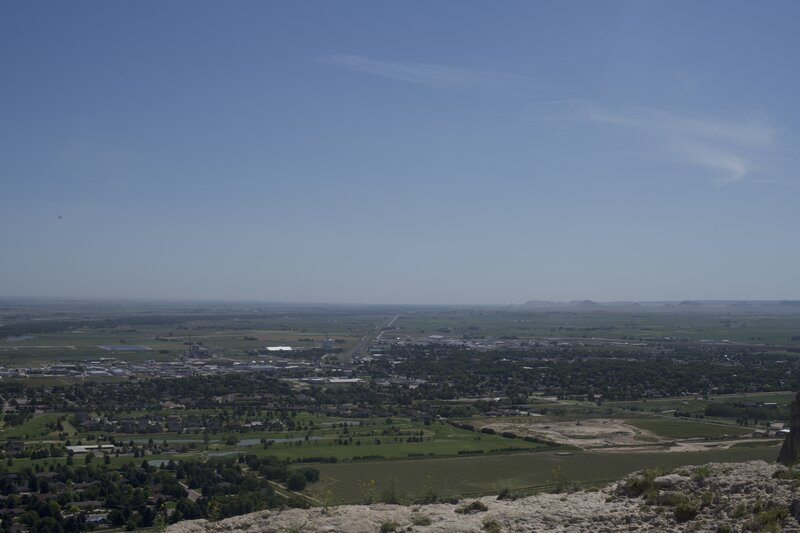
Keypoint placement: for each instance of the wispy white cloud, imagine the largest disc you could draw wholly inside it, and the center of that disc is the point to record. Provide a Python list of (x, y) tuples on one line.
[(751, 132), (724, 146), (732, 167), (429, 74)]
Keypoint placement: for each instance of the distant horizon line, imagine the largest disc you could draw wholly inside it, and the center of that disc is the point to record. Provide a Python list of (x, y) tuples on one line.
[(528, 303)]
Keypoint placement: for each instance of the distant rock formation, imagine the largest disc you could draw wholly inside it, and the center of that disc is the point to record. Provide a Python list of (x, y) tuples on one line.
[(791, 446)]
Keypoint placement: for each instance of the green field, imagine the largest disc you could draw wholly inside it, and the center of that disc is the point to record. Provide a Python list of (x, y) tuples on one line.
[(678, 428), (232, 334), (225, 336), (35, 428), (351, 482), (164, 344), (693, 326), (403, 438), (695, 404), (437, 439), (781, 398)]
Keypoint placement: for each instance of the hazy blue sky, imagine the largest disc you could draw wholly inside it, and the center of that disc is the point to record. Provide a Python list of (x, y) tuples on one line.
[(400, 152)]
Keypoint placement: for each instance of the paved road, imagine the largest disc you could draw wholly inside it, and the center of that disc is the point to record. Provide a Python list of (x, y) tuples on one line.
[(283, 491), (193, 494), (366, 341)]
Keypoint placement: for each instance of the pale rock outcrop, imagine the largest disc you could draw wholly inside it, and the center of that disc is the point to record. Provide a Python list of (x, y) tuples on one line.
[(663, 482)]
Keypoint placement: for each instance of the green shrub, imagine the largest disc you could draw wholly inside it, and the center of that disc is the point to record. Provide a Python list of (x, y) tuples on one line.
[(368, 492), (701, 472), (492, 526), (388, 526), (475, 507), (673, 499), (771, 518), (557, 481), (505, 494), (740, 511), (685, 511), (429, 495), (789, 473), (421, 521), (390, 495), (643, 483), (297, 502)]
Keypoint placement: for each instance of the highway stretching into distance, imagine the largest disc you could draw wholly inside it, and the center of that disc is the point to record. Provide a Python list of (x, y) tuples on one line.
[(366, 341)]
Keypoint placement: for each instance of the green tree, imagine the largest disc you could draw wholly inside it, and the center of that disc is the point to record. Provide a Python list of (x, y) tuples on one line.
[(296, 482), (160, 523)]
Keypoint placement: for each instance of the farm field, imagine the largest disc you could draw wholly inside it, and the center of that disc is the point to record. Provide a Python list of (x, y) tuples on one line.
[(409, 479), (233, 333), (694, 404), (164, 339), (782, 398), (677, 428), (622, 325), (80, 347)]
